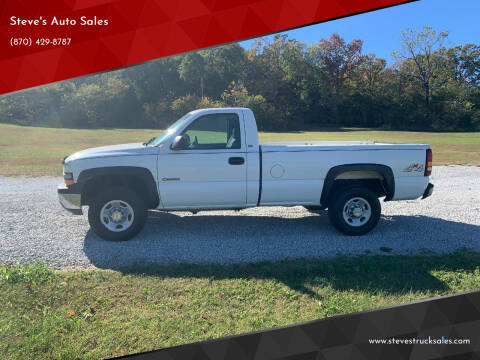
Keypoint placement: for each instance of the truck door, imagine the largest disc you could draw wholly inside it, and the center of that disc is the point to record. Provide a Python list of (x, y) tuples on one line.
[(210, 170)]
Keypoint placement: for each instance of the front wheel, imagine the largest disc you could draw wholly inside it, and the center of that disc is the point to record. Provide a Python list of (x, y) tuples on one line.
[(117, 214), (354, 211)]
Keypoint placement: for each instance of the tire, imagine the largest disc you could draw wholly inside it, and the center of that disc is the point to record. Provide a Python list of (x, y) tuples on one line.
[(117, 214), (354, 211)]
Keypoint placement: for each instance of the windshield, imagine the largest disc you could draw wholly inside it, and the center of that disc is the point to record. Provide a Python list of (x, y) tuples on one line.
[(171, 130)]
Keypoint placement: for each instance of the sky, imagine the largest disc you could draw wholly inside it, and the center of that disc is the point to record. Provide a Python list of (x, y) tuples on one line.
[(380, 30)]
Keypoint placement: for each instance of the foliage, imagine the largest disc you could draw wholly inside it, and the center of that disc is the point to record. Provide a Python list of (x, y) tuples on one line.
[(289, 85), (35, 273), (93, 314)]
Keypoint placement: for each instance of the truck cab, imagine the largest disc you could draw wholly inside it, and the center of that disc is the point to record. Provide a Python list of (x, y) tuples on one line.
[(225, 143)]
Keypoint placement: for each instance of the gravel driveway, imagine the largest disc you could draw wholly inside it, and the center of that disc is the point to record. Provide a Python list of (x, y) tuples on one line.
[(34, 227)]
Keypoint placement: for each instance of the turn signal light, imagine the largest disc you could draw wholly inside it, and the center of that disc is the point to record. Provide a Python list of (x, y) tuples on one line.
[(68, 177), (429, 163)]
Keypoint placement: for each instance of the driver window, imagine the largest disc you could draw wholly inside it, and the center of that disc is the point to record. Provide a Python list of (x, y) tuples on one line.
[(214, 131)]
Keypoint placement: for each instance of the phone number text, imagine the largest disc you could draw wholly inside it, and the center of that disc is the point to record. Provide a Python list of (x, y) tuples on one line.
[(14, 41)]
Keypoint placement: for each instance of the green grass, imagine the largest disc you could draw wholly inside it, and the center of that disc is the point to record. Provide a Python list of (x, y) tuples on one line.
[(38, 151), (90, 314)]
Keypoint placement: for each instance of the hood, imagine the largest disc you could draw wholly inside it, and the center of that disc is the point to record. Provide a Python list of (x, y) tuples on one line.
[(114, 150)]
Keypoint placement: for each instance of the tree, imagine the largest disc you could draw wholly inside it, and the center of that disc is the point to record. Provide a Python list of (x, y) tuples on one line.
[(185, 104), (371, 70), (192, 71), (276, 69), (420, 59), (235, 95), (337, 63), (156, 79), (264, 73), (223, 64), (339, 60), (465, 64)]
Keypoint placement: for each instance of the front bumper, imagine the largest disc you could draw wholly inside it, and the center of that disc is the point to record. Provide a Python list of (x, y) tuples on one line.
[(428, 191), (70, 200)]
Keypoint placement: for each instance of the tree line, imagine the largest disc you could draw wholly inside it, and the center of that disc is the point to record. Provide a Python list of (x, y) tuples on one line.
[(289, 86)]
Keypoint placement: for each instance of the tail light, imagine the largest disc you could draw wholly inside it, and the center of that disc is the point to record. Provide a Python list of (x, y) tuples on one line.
[(429, 163)]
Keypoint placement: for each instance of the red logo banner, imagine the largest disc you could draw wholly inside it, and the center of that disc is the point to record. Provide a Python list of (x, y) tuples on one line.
[(47, 41)]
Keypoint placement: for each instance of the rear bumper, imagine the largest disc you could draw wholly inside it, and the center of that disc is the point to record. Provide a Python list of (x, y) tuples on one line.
[(428, 191), (70, 200)]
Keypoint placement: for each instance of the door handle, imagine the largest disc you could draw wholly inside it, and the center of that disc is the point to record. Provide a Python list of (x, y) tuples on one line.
[(236, 161)]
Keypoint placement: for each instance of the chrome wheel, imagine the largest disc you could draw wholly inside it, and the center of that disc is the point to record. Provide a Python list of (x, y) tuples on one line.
[(357, 211), (117, 215)]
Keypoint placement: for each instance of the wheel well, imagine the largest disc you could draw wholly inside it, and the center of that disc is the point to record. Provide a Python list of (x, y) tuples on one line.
[(378, 178), (97, 184), (376, 185)]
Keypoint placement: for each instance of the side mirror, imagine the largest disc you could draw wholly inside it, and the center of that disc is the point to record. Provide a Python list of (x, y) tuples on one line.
[(179, 143)]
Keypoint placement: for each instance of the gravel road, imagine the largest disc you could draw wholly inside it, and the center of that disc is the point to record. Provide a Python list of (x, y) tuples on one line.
[(34, 227)]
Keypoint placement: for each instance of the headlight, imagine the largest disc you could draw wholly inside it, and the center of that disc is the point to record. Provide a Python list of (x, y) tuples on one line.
[(67, 168)]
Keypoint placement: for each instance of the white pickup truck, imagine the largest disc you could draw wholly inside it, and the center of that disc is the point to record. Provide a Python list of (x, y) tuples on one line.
[(211, 159)]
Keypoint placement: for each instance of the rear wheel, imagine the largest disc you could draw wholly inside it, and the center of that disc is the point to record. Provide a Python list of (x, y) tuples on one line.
[(354, 211), (117, 214)]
